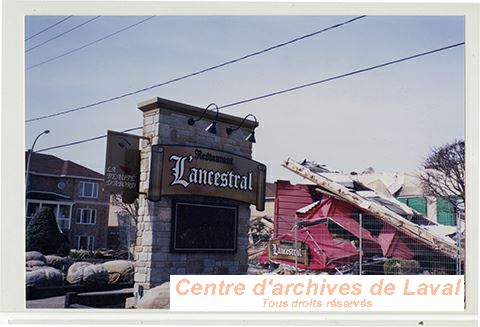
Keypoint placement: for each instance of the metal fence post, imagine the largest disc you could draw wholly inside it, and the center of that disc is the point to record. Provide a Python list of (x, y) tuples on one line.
[(360, 241), (295, 245), (129, 231), (459, 243)]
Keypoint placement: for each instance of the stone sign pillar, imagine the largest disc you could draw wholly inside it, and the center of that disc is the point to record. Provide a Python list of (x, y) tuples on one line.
[(166, 122)]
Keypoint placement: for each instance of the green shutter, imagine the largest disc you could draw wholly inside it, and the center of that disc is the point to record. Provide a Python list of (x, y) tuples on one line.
[(418, 204), (445, 212)]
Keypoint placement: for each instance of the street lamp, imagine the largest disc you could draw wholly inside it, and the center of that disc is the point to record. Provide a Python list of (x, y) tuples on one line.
[(30, 152)]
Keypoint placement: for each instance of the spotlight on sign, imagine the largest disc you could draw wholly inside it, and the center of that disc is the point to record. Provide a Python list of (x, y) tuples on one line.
[(251, 136), (212, 128)]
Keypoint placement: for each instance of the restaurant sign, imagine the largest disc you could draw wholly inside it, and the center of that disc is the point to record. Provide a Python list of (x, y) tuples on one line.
[(186, 170), (122, 163), (287, 250)]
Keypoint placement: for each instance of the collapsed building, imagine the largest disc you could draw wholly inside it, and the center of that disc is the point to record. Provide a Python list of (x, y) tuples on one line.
[(339, 224)]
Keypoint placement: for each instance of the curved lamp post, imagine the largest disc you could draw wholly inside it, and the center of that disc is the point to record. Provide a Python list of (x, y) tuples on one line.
[(212, 128), (30, 152), (250, 137)]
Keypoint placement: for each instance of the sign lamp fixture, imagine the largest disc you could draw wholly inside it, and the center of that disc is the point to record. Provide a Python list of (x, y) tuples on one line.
[(212, 128), (251, 136)]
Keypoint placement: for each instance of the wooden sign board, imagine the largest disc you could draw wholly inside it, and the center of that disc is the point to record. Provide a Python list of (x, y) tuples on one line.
[(286, 250), (122, 163), (187, 170)]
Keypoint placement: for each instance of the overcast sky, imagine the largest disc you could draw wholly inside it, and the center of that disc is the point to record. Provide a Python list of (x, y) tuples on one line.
[(387, 118)]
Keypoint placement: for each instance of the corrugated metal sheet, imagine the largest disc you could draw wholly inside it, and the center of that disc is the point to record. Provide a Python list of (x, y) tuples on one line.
[(288, 199)]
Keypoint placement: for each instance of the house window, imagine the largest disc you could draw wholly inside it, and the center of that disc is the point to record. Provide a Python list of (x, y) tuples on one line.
[(86, 216), (88, 190), (85, 242), (62, 212), (63, 216)]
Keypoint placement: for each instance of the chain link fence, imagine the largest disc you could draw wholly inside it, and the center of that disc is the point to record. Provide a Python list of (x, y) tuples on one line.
[(362, 244)]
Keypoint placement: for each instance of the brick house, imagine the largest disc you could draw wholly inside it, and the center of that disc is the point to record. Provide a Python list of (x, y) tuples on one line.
[(75, 193)]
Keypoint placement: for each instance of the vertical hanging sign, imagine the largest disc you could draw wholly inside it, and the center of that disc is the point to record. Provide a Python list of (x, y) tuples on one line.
[(122, 164)]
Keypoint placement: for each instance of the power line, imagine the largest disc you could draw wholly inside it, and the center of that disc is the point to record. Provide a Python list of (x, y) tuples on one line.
[(87, 45), (192, 74), (62, 34), (49, 27), (340, 76), (287, 90), (84, 141)]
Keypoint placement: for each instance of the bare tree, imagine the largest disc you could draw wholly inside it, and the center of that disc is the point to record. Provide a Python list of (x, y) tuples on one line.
[(444, 174), (128, 208), (127, 221)]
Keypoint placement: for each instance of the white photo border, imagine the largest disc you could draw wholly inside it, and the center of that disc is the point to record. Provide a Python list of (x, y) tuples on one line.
[(12, 279)]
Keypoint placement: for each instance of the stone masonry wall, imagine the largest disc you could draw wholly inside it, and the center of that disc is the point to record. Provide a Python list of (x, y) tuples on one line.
[(154, 262)]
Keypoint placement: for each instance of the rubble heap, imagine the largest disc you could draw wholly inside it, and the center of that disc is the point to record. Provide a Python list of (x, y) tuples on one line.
[(389, 210), (260, 232)]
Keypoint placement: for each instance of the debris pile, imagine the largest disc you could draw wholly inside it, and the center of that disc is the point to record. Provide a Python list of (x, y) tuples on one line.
[(337, 224), (397, 217), (282, 269), (260, 232)]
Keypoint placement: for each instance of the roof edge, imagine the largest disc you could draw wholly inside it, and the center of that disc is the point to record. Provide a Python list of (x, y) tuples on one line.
[(182, 108)]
